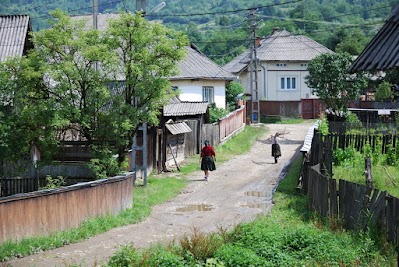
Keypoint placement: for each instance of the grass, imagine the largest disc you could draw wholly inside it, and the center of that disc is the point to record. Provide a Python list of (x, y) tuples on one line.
[(385, 177), (157, 191), (288, 236), (281, 120)]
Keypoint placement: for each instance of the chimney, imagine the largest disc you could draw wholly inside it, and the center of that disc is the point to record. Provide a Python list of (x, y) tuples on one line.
[(274, 30)]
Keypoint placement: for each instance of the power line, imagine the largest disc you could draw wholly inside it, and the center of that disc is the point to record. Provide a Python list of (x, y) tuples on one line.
[(229, 11), (80, 9)]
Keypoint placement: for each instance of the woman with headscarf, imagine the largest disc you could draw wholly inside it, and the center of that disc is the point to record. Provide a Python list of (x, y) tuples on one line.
[(207, 159), (276, 151)]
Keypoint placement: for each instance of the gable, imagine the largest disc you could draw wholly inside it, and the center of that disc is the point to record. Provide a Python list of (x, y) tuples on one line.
[(197, 66), (280, 46), (14, 31)]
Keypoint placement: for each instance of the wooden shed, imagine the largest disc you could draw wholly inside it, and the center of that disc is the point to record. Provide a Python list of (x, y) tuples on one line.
[(175, 143)]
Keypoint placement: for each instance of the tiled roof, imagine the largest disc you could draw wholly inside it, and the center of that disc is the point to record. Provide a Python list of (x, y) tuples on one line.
[(185, 108), (382, 51), (197, 66), (13, 35), (280, 46)]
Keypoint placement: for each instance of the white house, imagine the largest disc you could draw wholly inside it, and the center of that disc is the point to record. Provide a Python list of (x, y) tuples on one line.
[(200, 79), (282, 67)]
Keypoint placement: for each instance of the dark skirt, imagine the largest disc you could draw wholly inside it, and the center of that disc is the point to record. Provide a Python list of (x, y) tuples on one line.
[(207, 163), (276, 152)]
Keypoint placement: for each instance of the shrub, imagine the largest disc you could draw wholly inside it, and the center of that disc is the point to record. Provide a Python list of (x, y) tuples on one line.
[(125, 256), (200, 246), (236, 256)]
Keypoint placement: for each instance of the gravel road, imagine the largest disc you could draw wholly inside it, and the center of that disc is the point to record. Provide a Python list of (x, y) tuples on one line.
[(238, 191)]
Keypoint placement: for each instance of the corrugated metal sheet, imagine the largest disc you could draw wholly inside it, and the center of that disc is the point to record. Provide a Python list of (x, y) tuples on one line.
[(280, 46), (185, 108), (178, 128), (197, 66), (13, 35), (307, 144), (382, 53)]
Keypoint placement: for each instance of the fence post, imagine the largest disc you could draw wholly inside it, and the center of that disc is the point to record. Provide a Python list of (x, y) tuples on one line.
[(367, 172)]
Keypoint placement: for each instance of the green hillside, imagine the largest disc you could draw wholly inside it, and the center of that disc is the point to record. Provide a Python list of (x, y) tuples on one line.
[(221, 28)]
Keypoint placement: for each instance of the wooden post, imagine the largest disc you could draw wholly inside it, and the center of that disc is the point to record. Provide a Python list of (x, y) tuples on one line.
[(367, 172)]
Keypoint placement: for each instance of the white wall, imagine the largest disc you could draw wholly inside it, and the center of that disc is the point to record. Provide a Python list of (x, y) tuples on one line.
[(269, 75), (192, 90)]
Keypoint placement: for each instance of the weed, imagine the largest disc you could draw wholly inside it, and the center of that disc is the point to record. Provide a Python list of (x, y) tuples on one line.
[(199, 245)]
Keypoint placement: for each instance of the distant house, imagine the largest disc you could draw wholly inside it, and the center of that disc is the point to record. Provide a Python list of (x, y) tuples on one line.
[(200, 79), (14, 36), (282, 66)]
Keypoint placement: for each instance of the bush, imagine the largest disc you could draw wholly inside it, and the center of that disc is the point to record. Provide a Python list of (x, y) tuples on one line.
[(236, 256)]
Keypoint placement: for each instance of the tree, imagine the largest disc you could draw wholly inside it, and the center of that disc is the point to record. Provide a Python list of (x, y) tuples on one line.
[(103, 85), (146, 54), (233, 89), (383, 91), (331, 82)]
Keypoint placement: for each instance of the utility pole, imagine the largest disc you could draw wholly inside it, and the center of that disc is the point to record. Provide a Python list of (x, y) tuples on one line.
[(253, 69), (95, 14)]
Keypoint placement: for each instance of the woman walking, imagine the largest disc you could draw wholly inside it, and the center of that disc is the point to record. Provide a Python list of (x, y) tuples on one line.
[(276, 151), (207, 159)]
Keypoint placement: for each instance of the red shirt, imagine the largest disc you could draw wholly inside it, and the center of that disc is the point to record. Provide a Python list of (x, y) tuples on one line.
[(207, 151)]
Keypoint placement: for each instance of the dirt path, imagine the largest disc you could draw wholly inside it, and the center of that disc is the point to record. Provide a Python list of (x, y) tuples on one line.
[(238, 191)]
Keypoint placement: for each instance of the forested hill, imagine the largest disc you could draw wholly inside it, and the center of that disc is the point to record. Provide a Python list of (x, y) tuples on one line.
[(221, 28)]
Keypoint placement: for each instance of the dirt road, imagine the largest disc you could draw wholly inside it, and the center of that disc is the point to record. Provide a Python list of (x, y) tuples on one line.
[(238, 191)]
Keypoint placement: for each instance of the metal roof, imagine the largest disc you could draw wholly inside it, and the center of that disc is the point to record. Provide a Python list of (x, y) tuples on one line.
[(185, 108), (14, 31), (178, 128), (198, 66), (307, 144), (280, 46), (382, 53)]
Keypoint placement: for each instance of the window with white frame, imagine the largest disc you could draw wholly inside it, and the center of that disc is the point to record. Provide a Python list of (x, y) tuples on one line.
[(288, 83), (208, 94)]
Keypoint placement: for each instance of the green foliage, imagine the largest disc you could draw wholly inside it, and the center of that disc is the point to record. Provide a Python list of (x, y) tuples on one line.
[(52, 183), (233, 89), (237, 256), (58, 88), (383, 91), (105, 164), (162, 257), (216, 113), (199, 246), (125, 256), (323, 126), (331, 82)]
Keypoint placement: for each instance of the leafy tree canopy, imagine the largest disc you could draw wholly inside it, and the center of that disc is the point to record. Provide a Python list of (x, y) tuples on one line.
[(331, 82), (101, 84)]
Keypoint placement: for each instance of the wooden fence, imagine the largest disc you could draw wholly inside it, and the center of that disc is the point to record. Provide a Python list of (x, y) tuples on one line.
[(231, 123), (358, 141), (356, 206), (48, 211)]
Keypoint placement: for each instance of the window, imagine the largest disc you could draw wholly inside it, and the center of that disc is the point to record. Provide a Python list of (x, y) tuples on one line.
[(281, 64), (208, 94), (288, 83)]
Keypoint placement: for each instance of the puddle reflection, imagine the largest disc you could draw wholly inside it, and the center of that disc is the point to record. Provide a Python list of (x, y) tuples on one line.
[(195, 207)]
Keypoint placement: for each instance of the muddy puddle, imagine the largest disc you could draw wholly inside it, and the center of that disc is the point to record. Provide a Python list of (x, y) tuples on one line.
[(195, 207)]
